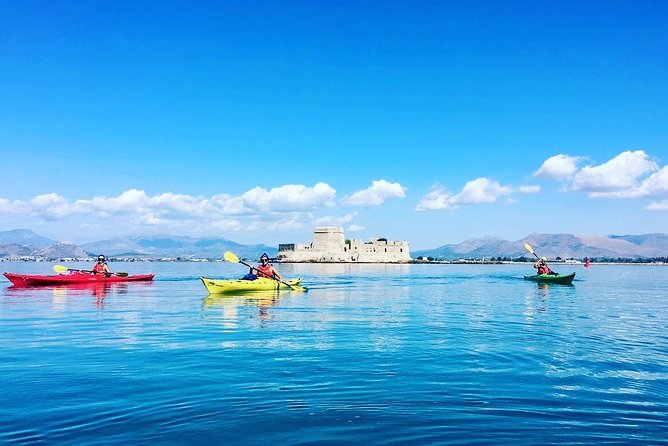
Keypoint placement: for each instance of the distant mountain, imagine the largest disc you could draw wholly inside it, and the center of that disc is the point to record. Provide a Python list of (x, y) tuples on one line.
[(24, 242), (173, 246), (25, 237), (15, 250), (62, 250), (555, 245)]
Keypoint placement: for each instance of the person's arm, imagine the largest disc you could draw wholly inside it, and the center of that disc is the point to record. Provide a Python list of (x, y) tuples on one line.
[(276, 273)]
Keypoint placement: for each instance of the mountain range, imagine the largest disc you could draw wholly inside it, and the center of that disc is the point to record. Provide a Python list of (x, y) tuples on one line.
[(555, 245), (24, 242)]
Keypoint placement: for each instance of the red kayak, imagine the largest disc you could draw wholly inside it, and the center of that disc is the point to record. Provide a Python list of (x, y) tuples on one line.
[(72, 277)]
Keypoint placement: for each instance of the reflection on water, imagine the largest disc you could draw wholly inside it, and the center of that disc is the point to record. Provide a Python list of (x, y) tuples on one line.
[(61, 293), (467, 354), (229, 304)]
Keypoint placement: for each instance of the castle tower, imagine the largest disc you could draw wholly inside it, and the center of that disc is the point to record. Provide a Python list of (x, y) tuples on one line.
[(328, 239)]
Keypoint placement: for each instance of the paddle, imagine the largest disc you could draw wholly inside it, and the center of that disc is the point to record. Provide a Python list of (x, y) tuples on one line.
[(530, 249), (230, 257), (64, 269)]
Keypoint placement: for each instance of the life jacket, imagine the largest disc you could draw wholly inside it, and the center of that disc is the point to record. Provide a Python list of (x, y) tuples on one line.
[(265, 271), (543, 269), (99, 268)]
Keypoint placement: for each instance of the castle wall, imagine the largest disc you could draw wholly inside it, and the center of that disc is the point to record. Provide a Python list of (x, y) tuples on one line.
[(329, 245)]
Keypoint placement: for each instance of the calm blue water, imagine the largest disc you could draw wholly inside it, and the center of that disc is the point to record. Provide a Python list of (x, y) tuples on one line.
[(383, 355)]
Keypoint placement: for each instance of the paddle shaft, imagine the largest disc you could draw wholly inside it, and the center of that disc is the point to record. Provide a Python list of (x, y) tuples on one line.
[(93, 272)]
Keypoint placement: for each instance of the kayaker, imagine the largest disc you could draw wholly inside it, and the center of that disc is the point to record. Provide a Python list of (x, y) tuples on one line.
[(542, 267), (101, 266), (266, 270)]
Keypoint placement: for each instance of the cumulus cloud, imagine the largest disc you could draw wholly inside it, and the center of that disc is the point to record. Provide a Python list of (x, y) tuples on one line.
[(631, 174), (558, 167), (480, 190), (288, 198), (656, 185), (278, 207), (375, 195), (618, 177)]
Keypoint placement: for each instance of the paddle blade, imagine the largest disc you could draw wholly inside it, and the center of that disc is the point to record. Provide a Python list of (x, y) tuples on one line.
[(529, 248), (60, 268), (230, 257)]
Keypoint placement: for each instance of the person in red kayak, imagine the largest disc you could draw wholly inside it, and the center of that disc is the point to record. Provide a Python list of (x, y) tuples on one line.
[(266, 270), (101, 266), (542, 267)]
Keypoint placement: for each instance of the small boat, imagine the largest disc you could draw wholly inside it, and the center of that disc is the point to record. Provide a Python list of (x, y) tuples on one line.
[(561, 279), (215, 286), (72, 278)]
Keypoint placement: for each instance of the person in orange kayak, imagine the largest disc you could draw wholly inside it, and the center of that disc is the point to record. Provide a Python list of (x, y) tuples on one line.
[(101, 266), (542, 267), (266, 270)]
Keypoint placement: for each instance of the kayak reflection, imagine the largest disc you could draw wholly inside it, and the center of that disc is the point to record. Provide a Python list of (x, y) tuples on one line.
[(61, 293), (230, 303)]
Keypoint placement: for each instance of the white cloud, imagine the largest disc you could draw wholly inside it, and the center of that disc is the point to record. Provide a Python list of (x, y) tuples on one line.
[(480, 190), (355, 228), (436, 199), (658, 206), (335, 221), (618, 177), (631, 174), (558, 167), (655, 185), (276, 208), (375, 195), (287, 198), (529, 189)]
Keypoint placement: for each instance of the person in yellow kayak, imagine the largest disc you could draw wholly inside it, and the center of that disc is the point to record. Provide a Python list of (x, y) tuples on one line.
[(101, 266), (541, 266), (266, 270)]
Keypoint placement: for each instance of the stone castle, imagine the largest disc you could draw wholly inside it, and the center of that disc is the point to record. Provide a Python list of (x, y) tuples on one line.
[(329, 245)]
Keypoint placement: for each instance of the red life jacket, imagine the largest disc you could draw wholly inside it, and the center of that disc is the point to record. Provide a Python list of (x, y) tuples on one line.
[(543, 269), (99, 268), (265, 271)]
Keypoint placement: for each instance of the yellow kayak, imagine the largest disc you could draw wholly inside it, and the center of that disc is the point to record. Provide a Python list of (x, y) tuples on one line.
[(215, 286)]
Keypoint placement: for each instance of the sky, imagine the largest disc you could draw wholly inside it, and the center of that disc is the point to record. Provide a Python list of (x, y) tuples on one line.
[(256, 121)]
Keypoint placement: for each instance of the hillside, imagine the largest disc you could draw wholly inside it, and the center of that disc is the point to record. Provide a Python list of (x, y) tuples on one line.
[(555, 245)]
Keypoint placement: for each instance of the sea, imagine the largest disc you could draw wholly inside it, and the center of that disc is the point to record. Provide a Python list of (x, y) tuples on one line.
[(419, 354)]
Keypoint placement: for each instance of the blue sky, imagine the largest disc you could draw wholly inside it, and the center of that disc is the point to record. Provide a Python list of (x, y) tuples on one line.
[(425, 121)]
